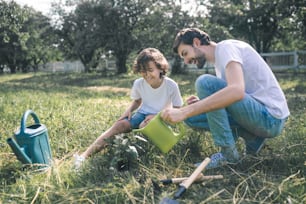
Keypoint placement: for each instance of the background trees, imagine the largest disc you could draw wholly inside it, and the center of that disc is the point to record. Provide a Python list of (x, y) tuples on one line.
[(262, 23), (26, 38), (120, 28)]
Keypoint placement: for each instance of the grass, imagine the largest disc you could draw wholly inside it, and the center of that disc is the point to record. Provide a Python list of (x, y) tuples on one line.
[(76, 108)]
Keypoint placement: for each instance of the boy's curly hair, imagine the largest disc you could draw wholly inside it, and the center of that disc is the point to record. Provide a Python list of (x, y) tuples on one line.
[(150, 54)]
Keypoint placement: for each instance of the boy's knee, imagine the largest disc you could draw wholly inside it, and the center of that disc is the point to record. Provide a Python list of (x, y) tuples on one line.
[(123, 125)]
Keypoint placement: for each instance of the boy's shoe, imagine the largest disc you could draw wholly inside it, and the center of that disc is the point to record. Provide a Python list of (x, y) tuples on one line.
[(253, 146), (228, 155), (78, 161)]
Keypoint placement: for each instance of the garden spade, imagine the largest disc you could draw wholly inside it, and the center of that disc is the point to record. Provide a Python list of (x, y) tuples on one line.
[(186, 183)]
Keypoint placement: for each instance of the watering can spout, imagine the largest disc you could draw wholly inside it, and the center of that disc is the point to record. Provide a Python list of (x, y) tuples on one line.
[(19, 151)]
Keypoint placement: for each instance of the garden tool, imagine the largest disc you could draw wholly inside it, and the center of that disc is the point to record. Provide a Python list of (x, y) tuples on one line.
[(162, 134), (186, 183), (31, 144), (200, 178)]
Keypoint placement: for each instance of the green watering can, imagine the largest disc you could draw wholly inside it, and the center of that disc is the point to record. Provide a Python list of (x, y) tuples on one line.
[(31, 144), (162, 134)]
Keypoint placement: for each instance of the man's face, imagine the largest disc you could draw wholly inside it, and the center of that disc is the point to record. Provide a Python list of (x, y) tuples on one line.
[(192, 55)]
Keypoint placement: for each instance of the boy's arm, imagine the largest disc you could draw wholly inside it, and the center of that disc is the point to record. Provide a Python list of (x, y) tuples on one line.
[(128, 112)]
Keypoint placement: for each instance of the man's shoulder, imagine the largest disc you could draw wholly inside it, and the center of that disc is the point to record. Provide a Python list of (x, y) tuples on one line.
[(230, 42)]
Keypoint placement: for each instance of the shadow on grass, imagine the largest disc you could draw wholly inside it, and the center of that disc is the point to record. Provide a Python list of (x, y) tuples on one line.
[(69, 83)]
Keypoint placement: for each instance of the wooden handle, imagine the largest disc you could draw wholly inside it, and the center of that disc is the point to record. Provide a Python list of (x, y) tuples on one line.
[(186, 183), (200, 178)]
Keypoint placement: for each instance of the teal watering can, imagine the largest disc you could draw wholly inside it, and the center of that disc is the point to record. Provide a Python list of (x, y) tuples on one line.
[(31, 143), (162, 134)]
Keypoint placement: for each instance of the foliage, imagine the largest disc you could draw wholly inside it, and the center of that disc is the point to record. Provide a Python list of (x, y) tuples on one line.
[(122, 27), (98, 26), (26, 38), (292, 30), (87, 30), (76, 108), (257, 22), (12, 39)]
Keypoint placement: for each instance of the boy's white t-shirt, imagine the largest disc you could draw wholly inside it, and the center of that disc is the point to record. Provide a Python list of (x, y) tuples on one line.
[(260, 82), (155, 100)]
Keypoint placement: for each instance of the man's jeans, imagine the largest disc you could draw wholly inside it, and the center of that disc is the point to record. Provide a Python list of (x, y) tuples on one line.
[(247, 118)]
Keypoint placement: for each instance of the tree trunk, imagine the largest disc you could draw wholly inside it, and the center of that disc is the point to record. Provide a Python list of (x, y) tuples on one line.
[(121, 64)]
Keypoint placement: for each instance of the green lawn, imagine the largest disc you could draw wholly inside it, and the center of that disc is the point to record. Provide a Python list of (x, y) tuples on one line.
[(76, 108)]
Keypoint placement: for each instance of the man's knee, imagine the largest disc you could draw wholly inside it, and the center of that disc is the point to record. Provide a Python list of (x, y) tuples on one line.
[(208, 84), (203, 81)]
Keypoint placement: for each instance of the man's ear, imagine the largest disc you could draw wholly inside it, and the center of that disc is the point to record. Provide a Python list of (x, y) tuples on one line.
[(196, 42)]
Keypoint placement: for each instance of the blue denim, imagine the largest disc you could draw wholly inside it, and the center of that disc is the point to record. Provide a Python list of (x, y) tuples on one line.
[(136, 119), (247, 118)]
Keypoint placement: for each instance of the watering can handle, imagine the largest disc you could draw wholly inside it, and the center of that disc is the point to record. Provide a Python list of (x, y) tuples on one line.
[(180, 125), (24, 118)]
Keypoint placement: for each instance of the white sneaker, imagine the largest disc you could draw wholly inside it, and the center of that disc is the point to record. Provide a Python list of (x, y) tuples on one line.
[(78, 160)]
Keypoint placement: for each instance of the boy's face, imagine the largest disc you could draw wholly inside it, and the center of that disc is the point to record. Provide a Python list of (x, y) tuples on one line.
[(152, 74)]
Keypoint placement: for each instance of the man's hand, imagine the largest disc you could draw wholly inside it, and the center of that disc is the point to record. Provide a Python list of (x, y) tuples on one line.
[(172, 115)]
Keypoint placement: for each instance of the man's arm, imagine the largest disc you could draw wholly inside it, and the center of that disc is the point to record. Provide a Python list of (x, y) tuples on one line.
[(233, 92)]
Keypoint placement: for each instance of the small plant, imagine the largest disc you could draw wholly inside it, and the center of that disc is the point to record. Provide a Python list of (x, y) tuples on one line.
[(122, 153)]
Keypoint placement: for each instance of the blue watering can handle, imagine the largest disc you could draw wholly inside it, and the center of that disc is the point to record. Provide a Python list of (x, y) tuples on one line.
[(24, 119)]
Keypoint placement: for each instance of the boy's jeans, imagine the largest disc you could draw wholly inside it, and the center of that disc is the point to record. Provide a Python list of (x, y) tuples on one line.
[(247, 118)]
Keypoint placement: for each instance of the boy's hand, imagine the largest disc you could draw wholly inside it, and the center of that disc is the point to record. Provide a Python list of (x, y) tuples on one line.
[(148, 118), (127, 114)]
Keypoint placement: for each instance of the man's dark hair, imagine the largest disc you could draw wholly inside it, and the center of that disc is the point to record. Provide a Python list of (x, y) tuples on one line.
[(186, 36)]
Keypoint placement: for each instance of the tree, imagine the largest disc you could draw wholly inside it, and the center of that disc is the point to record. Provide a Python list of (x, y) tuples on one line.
[(254, 21), (158, 27), (12, 39), (122, 27), (26, 38), (40, 46), (292, 30), (106, 25), (79, 34)]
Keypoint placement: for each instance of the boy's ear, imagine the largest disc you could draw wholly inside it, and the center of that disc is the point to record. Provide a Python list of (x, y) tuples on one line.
[(196, 42)]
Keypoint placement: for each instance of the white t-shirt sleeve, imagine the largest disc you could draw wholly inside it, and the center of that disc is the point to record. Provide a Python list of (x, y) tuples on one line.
[(175, 93), (135, 91)]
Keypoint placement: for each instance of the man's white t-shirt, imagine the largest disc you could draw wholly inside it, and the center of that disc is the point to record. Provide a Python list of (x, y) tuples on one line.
[(155, 100), (260, 82)]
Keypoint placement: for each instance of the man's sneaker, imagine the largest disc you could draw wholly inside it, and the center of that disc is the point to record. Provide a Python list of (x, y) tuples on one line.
[(78, 160), (253, 146), (228, 155)]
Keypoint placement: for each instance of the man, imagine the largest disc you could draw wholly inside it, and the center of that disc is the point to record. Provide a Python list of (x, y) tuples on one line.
[(244, 97)]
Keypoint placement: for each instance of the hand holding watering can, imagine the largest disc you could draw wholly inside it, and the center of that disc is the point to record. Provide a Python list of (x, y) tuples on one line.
[(162, 134)]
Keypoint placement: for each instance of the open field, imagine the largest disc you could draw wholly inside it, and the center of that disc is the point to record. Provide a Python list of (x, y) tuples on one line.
[(76, 108)]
